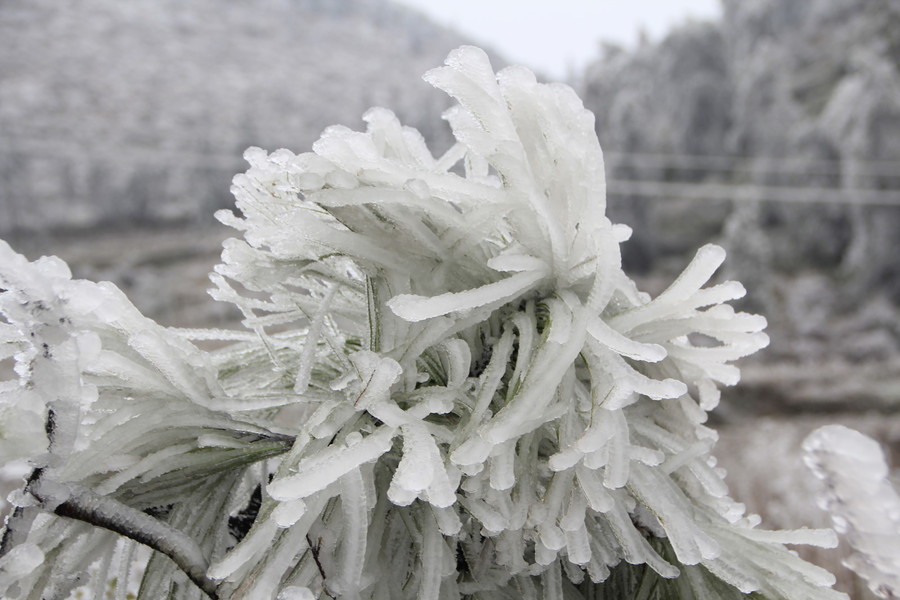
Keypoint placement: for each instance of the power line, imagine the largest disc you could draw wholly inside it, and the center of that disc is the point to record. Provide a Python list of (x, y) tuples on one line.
[(622, 187), (667, 191), (701, 162), (753, 193), (755, 164)]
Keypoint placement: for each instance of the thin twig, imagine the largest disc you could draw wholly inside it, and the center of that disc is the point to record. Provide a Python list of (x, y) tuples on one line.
[(85, 505)]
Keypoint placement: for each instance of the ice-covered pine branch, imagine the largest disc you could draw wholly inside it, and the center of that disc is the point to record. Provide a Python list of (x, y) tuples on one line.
[(450, 388), (864, 506), (118, 416)]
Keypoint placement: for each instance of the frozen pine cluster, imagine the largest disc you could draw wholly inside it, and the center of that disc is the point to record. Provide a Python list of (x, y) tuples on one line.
[(447, 388)]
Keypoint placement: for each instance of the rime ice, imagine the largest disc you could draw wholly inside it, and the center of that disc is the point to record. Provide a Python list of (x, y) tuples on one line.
[(489, 404), (864, 506)]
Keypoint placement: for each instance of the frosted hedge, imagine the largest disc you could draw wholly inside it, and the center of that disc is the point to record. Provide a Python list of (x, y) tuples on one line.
[(447, 388)]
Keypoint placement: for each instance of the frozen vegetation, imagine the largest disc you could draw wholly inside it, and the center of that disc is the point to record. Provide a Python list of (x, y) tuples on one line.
[(780, 125), (778, 131), (446, 387), (778, 128), (136, 113), (863, 504)]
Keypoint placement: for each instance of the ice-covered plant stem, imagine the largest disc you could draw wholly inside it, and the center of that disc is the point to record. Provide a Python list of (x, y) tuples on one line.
[(447, 387), (864, 506), (76, 502)]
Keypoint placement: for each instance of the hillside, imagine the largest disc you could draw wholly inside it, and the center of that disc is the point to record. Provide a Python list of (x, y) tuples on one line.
[(777, 133), (139, 111)]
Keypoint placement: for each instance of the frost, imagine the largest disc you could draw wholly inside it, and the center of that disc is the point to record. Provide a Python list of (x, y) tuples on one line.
[(296, 593), (21, 560), (864, 506), (318, 471), (288, 513), (376, 376), (447, 385)]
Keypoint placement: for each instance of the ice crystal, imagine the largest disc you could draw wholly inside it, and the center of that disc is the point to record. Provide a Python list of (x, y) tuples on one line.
[(864, 506), (451, 387)]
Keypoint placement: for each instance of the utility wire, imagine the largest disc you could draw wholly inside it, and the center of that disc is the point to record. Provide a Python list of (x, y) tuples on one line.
[(753, 193), (753, 164), (714, 165), (698, 162)]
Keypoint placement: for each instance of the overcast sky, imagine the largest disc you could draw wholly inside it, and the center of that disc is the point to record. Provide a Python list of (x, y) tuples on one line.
[(555, 35)]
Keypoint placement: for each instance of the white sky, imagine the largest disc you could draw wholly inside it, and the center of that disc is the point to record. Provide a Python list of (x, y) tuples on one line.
[(554, 36)]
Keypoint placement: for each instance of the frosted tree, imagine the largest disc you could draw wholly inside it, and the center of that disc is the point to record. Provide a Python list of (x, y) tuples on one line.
[(447, 388)]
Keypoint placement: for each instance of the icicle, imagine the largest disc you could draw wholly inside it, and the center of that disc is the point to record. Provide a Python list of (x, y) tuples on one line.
[(356, 522), (542, 554), (492, 521), (416, 470), (442, 491), (575, 512), (734, 573), (635, 548), (551, 583), (448, 521), (659, 494), (552, 536), (179, 373), (596, 494), (148, 463), (538, 390), (502, 466), (617, 342), (310, 344), (268, 574), (705, 262), (508, 262), (488, 384), (431, 560), (317, 472), (566, 459), (617, 467), (578, 546), (418, 308), (459, 357)]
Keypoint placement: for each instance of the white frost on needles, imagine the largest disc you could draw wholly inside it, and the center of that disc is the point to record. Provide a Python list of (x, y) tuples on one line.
[(549, 413), (480, 401), (864, 506)]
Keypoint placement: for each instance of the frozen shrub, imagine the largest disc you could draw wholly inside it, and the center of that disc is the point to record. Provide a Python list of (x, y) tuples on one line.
[(448, 388)]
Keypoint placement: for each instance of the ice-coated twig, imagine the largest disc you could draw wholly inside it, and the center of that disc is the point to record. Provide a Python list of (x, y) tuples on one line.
[(84, 505), (864, 506), (80, 503)]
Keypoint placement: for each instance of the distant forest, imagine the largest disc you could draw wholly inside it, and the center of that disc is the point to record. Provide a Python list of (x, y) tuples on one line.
[(138, 112)]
